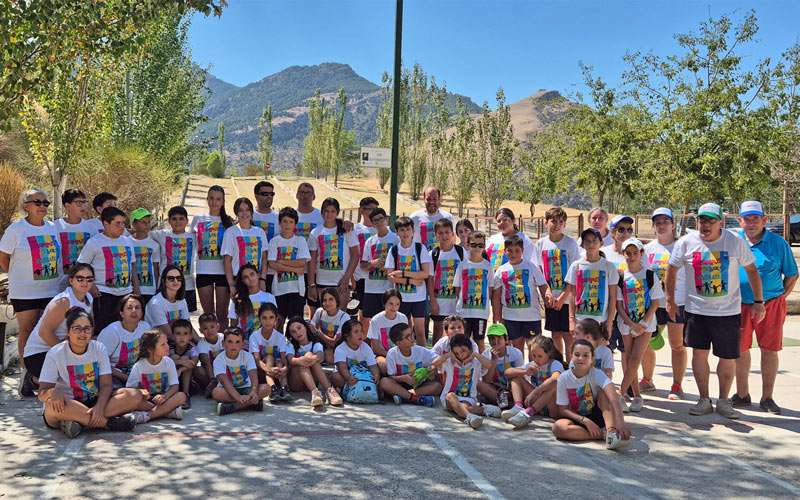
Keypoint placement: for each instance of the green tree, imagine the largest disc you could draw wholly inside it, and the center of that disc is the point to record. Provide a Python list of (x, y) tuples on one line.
[(221, 143), (314, 142), (459, 155), (545, 166), (265, 136), (215, 165), (495, 146), (328, 146)]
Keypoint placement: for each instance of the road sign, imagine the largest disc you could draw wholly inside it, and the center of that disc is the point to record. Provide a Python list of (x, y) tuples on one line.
[(376, 157)]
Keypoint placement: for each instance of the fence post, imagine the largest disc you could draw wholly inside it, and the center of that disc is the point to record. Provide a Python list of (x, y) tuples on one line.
[(636, 225), (580, 223)]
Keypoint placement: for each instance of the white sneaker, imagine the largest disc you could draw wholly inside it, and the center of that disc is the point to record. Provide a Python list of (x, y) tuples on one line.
[(613, 441), (624, 405), (725, 409), (520, 420), (703, 407), (473, 420), (176, 414), (141, 417), (507, 414), (636, 404), (491, 411)]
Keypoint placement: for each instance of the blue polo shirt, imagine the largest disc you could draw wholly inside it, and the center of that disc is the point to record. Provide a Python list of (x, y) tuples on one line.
[(774, 261)]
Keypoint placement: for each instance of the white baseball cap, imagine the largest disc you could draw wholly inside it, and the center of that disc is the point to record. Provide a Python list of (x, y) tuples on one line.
[(633, 241), (751, 207), (662, 211)]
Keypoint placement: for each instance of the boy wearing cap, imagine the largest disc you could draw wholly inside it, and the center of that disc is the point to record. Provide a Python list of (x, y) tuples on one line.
[(177, 247), (657, 254), (710, 259), (778, 272), (495, 385), (147, 253), (638, 296)]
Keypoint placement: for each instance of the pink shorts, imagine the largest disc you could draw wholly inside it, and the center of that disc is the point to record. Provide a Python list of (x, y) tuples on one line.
[(769, 333)]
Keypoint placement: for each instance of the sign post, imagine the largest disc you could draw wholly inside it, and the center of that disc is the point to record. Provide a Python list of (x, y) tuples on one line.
[(398, 51), (376, 157)]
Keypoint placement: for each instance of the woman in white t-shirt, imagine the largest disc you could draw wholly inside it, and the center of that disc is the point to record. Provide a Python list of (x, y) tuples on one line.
[(52, 328), (169, 302), (242, 244), (31, 255), (209, 231), (496, 245), (334, 255), (75, 384), (122, 339)]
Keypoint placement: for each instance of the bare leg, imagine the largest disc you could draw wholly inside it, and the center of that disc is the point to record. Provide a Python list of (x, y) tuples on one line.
[(726, 369), (769, 371), (454, 405), (675, 335), (419, 331), (26, 320), (520, 388), (567, 430), (701, 370), (743, 373), (489, 391), (519, 343), (429, 389), (437, 331), (223, 296), (635, 353), (391, 387), (558, 340), (337, 380), (206, 296), (648, 363), (123, 401), (167, 406), (381, 362), (320, 377)]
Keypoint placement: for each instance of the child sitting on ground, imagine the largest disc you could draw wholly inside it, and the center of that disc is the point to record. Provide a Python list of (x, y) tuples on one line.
[(268, 347), (495, 386), (237, 375), (184, 354), (155, 373), (304, 353), (408, 365), (589, 329), (207, 349), (381, 324), (351, 351), (461, 367), (453, 325), (328, 320)]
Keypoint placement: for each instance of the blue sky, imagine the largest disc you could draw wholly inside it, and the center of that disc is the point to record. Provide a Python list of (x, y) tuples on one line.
[(474, 46)]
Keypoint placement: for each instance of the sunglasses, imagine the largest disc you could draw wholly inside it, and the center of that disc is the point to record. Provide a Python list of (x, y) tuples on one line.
[(476, 245), (266, 193), (84, 279), (39, 203), (625, 230), (174, 278), (81, 329)]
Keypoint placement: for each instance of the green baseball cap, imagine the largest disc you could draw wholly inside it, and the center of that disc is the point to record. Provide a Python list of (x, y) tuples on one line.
[(711, 210), (140, 213), (497, 330)]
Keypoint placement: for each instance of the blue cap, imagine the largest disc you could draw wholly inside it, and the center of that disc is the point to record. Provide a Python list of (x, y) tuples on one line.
[(751, 207), (620, 218)]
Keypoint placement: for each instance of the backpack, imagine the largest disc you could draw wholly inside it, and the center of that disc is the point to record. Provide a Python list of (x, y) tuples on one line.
[(364, 391), (437, 251), (417, 248)]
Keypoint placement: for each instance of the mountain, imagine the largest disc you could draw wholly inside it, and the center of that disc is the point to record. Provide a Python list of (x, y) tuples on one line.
[(534, 113), (288, 91)]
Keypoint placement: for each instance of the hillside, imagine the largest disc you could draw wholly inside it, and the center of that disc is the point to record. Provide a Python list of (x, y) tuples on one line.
[(532, 114)]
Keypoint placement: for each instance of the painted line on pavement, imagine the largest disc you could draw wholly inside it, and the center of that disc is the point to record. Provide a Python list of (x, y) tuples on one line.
[(457, 458), (277, 434), (64, 465)]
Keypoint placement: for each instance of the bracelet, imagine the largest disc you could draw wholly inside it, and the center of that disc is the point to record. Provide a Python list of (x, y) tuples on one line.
[(312, 285), (758, 302)]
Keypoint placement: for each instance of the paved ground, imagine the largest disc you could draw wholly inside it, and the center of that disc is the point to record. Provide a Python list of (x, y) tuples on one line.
[(403, 452)]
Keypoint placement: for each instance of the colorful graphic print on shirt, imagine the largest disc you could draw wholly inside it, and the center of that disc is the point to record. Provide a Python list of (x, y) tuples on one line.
[(474, 289), (155, 383), (500, 369), (554, 266), (590, 292), (581, 400), (287, 253), (249, 250), (386, 342), (44, 256), (710, 273), (462, 381), (269, 229), (331, 252), (209, 236), (303, 229), (407, 368), (407, 263), (265, 351), (636, 298), (427, 236), (516, 286), (497, 254), (84, 380), (379, 251), (443, 278), (118, 266), (128, 354), (659, 262), (71, 245), (179, 251), (144, 265), (238, 375)]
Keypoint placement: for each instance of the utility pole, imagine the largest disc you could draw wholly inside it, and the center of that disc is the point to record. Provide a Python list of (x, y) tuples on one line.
[(398, 50)]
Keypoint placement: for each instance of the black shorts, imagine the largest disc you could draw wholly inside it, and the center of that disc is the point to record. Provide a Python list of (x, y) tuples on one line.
[(475, 328), (358, 293), (290, 304), (22, 305), (191, 299), (371, 304), (204, 280), (556, 321), (597, 417), (414, 309), (34, 363), (437, 317), (662, 318), (522, 329), (722, 332)]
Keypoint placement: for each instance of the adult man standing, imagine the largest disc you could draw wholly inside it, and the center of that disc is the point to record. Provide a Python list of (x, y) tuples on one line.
[(710, 259), (425, 219), (778, 272), (264, 216), (309, 217)]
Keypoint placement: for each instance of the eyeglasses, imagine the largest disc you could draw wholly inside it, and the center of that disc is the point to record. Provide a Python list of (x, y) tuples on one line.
[(625, 230), (84, 279), (39, 203), (266, 193), (81, 329), (476, 245), (174, 278)]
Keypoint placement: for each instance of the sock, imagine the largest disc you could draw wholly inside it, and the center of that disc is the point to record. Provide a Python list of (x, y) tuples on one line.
[(529, 411), (519, 404)]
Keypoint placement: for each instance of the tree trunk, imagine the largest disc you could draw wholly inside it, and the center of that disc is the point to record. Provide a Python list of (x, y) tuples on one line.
[(601, 195), (59, 184), (787, 228)]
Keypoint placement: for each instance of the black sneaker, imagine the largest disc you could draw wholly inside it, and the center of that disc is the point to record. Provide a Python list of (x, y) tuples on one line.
[(71, 428), (274, 394), (187, 405), (123, 423), (225, 408), (286, 395), (770, 406), (26, 386), (258, 406), (741, 402)]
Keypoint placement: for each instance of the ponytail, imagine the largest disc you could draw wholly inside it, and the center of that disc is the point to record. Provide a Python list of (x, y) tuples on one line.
[(227, 220)]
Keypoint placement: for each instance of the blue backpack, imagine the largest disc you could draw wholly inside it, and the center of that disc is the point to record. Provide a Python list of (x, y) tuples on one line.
[(364, 391)]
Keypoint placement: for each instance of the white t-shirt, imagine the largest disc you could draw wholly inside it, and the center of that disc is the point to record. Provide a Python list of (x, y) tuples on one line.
[(148, 253), (657, 256), (330, 325), (362, 356), (711, 272), (95, 225), (363, 233), (554, 259), (580, 394), (306, 222), (35, 270), (244, 246), (313, 347), (267, 222), (513, 359), (544, 372), (424, 226), (615, 257), (251, 322), (178, 249), (603, 358), (496, 249), (72, 238), (333, 253), (159, 311), (474, 281), (375, 248), (36, 344), (205, 347), (76, 376), (208, 233), (397, 364), (294, 248), (519, 290), (444, 273), (636, 298), (380, 325), (237, 369), (121, 345), (442, 346), (157, 379), (591, 281), (273, 346), (113, 263), (461, 379), (407, 258)]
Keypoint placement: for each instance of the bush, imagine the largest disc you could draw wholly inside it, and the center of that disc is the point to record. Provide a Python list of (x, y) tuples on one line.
[(253, 170), (136, 177), (215, 167), (12, 183)]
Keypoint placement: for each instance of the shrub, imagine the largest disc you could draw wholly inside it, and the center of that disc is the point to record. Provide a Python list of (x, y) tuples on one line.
[(253, 170), (137, 178), (12, 183), (215, 167)]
